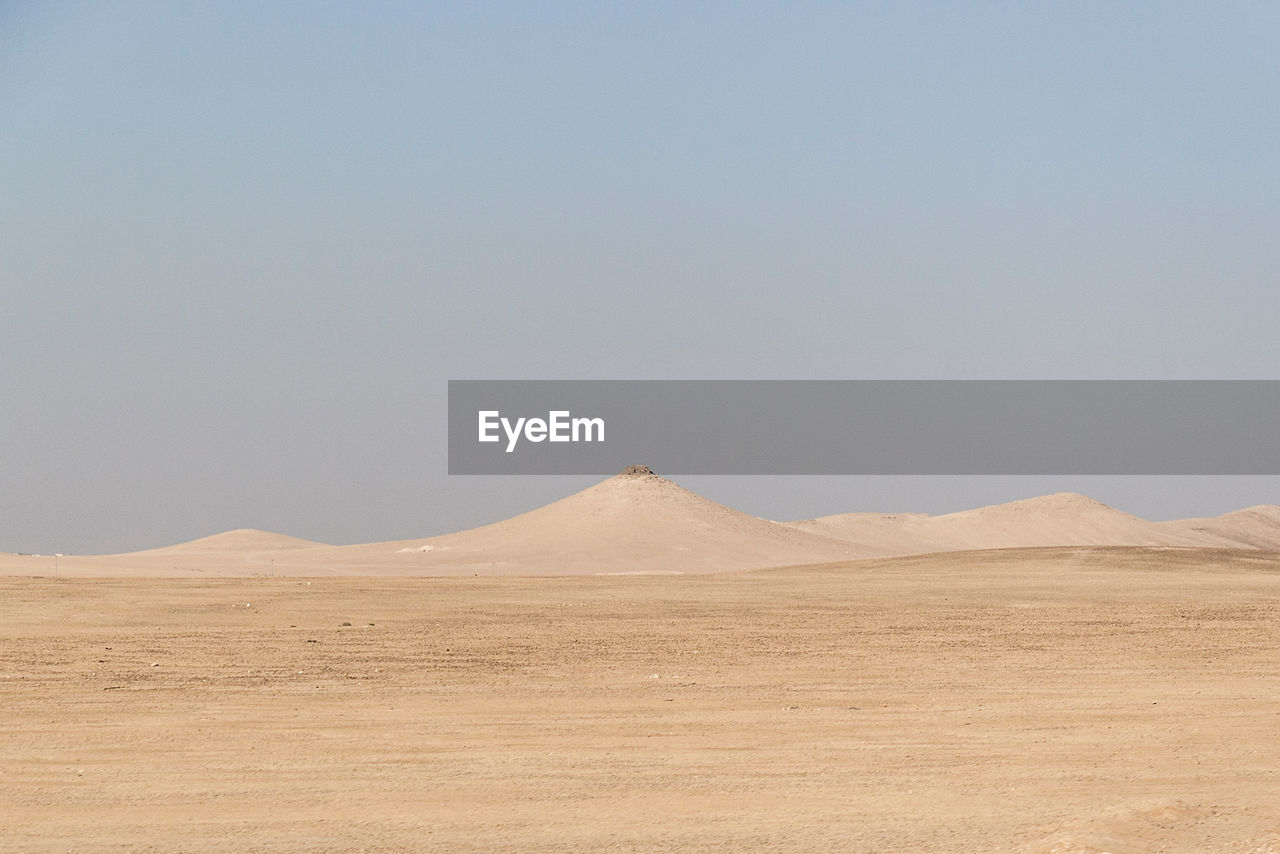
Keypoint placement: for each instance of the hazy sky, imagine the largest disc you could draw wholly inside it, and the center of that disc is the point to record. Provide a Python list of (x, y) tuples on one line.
[(243, 246)]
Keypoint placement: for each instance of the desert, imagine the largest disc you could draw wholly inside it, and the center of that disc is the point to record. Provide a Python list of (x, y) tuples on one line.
[(854, 690), (949, 329)]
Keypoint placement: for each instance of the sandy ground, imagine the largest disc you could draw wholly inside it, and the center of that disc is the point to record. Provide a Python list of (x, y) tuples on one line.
[(1045, 700)]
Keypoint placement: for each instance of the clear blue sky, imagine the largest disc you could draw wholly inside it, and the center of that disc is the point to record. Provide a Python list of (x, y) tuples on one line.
[(243, 246)]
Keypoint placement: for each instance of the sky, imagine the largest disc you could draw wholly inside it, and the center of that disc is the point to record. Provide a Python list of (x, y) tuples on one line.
[(244, 246)]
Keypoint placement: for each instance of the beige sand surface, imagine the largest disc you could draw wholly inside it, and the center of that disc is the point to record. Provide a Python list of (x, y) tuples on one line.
[(1253, 527), (633, 522), (1061, 519), (1048, 700), (638, 522), (239, 540)]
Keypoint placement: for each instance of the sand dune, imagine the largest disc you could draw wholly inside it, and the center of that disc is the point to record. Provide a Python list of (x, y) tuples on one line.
[(638, 522), (238, 553), (1062, 519), (1253, 527), (239, 540)]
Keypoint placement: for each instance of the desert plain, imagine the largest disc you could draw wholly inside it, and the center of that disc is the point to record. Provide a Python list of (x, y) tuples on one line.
[(636, 668)]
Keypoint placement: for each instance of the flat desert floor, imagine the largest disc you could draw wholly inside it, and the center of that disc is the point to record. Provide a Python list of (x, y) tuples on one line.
[(1036, 700)]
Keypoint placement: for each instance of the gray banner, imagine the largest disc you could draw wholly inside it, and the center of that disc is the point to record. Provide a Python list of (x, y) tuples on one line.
[(884, 427)]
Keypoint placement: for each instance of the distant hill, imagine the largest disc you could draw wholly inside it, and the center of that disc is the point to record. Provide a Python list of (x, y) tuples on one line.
[(239, 540), (1061, 519), (636, 521), (639, 522), (1253, 527)]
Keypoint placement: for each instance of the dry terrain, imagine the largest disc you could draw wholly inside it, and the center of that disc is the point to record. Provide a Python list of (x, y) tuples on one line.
[(1036, 700), (1063, 519), (639, 522), (635, 522)]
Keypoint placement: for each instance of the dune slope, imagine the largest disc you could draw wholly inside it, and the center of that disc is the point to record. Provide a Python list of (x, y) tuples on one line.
[(1253, 527), (636, 521), (1061, 519), (239, 540)]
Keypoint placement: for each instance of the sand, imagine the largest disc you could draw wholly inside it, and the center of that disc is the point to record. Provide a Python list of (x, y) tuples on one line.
[(1253, 527), (639, 522), (239, 540), (636, 522), (1065, 700), (1061, 519), (616, 672)]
